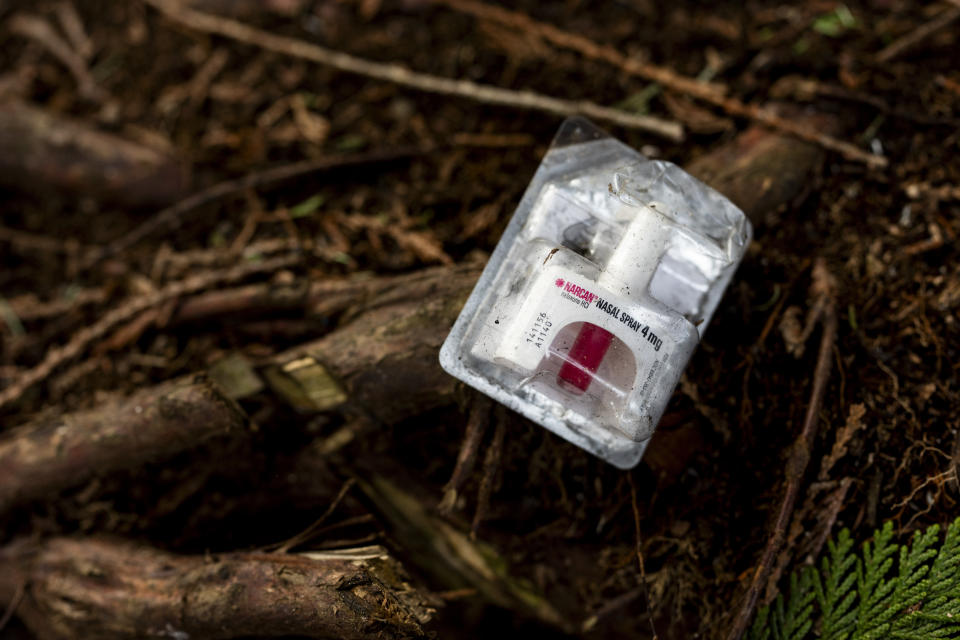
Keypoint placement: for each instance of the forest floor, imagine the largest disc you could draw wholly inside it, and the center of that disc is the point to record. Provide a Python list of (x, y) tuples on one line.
[(432, 180)]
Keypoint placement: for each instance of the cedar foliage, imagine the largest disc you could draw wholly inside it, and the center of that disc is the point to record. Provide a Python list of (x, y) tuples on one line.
[(902, 592)]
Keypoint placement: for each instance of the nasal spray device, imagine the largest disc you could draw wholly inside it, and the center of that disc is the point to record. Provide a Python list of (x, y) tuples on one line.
[(598, 293)]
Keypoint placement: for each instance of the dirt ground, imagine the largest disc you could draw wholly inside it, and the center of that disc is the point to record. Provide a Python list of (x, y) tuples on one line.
[(564, 521)]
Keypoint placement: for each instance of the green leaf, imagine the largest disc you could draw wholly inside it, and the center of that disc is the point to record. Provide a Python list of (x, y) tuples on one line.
[(886, 591), (307, 207), (835, 23)]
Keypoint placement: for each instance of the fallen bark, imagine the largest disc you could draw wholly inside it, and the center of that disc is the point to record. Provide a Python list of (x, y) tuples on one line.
[(449, 555), (40, 149), (49, 455), (97, 588)]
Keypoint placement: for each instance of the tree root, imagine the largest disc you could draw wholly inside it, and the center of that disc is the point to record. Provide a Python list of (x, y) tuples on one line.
[(48, 455), (100, 588)]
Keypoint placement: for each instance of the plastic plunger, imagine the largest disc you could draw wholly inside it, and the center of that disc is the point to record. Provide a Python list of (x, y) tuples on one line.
[(585, 357), (628, 273)]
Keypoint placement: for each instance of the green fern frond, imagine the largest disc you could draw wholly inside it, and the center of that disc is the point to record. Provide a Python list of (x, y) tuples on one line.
[(913, 587), (908, 592), (760, 629), (873, 591), (794, 618), (939, 594), (835, 594)]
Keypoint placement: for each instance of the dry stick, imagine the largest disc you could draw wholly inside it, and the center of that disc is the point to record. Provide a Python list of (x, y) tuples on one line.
[(72, 25), (38, 29), (918, 35), (476, 427), (403, 76), (57, 356), (27, 307), (491, 466), (669, 79), (799, 456), (171, 216), (639, 551), (28, 241), (921, 190), (314, 528), (14, 603)]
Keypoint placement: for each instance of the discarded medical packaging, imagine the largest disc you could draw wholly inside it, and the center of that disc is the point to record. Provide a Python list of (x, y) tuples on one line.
[(598, 293)]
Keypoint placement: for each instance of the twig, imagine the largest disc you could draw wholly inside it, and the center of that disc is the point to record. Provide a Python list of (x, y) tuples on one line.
[(639, 551), (806, 90), (314, 528), (924, 190), (72, 25), (828, 517), (612, 606), (14, 603), (29, 308), (168, 265), (403, 76), (170, 217), (28, 241), (918, 35), (78, 343), (823, 289), (38, 29), (491, 465), (673, 81), (476, 426), (950, 85)]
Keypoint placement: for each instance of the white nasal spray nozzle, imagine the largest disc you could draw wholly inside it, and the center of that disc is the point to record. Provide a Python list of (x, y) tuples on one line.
[(636, 257)]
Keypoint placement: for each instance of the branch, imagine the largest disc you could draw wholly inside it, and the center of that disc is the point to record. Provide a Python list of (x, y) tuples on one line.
[(37, 29), (899, 46), (823, 289), (403, 76), (673, 81), (97, 588)]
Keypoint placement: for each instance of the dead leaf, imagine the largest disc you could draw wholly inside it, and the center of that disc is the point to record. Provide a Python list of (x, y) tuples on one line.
[(844, 436), (792, 330)]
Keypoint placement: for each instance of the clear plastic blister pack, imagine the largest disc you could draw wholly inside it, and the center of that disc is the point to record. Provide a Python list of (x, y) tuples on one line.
[(598, 293)]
